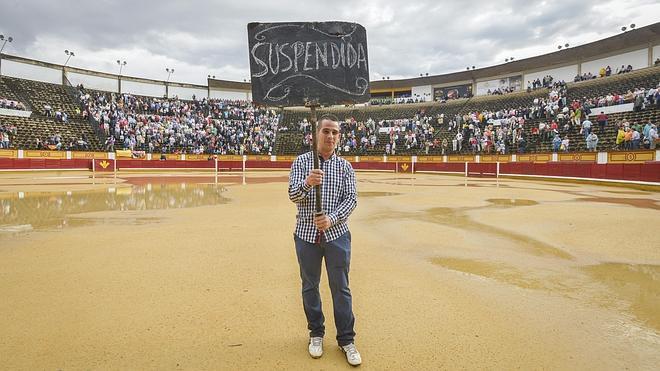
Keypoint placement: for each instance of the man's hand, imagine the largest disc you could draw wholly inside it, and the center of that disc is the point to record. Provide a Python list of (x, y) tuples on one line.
[(314, 178), (322, 222)]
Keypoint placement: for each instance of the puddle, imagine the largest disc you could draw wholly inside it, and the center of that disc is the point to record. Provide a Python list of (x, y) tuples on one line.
[(511, 202), (377, 194), (498, 271), (459, 219), (83, 222), (642, 203), (27, 211), (629, 192), (232, 179), (636, 284)]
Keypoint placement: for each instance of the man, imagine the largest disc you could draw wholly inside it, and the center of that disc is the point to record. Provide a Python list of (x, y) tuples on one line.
[(586, 128), (636, 138), (592, 142), (556, 143), (325, 236), (602, 121), (653, 137)]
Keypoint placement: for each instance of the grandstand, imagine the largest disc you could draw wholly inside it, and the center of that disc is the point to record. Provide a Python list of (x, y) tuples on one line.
[(201, 121), (36, 95)]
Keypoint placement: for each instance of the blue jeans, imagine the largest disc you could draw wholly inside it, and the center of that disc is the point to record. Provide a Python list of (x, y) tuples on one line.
[(337, 255)]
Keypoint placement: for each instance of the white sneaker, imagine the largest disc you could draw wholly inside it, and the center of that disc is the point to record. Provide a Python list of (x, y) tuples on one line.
[(316, 347), (352, 355)]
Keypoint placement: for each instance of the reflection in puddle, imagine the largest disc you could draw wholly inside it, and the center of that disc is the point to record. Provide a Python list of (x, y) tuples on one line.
[(511, 202), (642, 203), (83, 222), (28, 211), (223, 178), (637, 285), (377, 194)]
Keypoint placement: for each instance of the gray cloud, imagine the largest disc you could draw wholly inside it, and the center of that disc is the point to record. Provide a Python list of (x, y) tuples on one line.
[(405, 38)]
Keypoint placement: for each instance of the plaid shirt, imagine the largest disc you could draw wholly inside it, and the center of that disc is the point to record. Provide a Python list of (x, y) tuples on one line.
[(339, 195)]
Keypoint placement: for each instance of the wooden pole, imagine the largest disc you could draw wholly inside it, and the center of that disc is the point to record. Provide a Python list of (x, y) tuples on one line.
[(315, 154)]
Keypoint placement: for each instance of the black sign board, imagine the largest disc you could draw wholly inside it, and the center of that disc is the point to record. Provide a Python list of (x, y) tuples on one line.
[(453, 92), (293, 64)]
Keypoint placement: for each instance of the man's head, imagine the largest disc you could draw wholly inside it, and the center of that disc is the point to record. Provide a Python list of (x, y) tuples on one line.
[(327, 133)]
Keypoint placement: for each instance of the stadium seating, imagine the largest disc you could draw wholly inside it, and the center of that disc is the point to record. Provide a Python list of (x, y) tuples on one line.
[(35, 95)]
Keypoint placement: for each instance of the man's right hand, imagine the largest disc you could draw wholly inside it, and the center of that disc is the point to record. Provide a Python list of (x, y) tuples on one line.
[(314, 178)]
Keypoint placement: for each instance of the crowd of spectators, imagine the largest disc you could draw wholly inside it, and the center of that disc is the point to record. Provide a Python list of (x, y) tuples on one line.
[(398, 100), (55, 142), (7, 133), (501, 90), (11, 104), (556, 120), (547, 82), (603, 72), (179, 126)]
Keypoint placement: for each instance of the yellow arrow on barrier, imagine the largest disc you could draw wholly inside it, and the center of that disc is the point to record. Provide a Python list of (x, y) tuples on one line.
[(404, 167), (104, 164)]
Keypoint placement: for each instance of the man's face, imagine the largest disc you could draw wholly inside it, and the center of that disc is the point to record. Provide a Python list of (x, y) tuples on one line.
[(328, 135)]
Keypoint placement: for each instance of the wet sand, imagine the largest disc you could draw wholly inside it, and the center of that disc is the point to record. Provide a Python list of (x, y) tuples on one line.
[(178, 272)]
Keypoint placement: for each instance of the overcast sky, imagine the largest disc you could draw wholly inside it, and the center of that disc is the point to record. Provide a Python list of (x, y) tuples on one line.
[(405, 38)]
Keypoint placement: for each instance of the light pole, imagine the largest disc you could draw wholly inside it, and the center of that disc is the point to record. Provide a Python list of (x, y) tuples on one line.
[(5, 41), (70, 54), (121, 65), (208, 86), (169, 71)]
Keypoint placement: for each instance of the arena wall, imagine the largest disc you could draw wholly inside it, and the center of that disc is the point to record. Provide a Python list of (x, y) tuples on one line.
[(566, 73), (93, 82), (30, 71), (640, 166), (425, 92), (187, 93), (656, 53), (141, 88)]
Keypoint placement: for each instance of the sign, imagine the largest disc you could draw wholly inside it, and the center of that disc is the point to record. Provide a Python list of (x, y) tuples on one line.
[(299, 62), (623, 157), (429, 159), (165, 156), (404, 167), (285, 158), (124, 153), (534, 158), (452, 92), (88, 155), (44, 154), (198, 158), (231, 158), (103, 165), (10, 153), (495, 158), (460, 158), (578, 157)]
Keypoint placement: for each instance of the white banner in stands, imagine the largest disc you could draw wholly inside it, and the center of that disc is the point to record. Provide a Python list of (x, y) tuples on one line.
[(387, 129), (13, 112), (595, 111)]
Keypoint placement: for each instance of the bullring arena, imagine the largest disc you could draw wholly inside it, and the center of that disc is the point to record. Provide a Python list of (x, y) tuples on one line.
[(180, 256), (171, 270)]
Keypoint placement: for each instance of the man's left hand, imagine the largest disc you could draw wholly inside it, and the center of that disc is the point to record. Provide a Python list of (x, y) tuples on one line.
[(322, 222)]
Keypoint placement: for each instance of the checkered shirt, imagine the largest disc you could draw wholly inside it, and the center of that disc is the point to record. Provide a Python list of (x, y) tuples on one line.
[(338, 192)]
